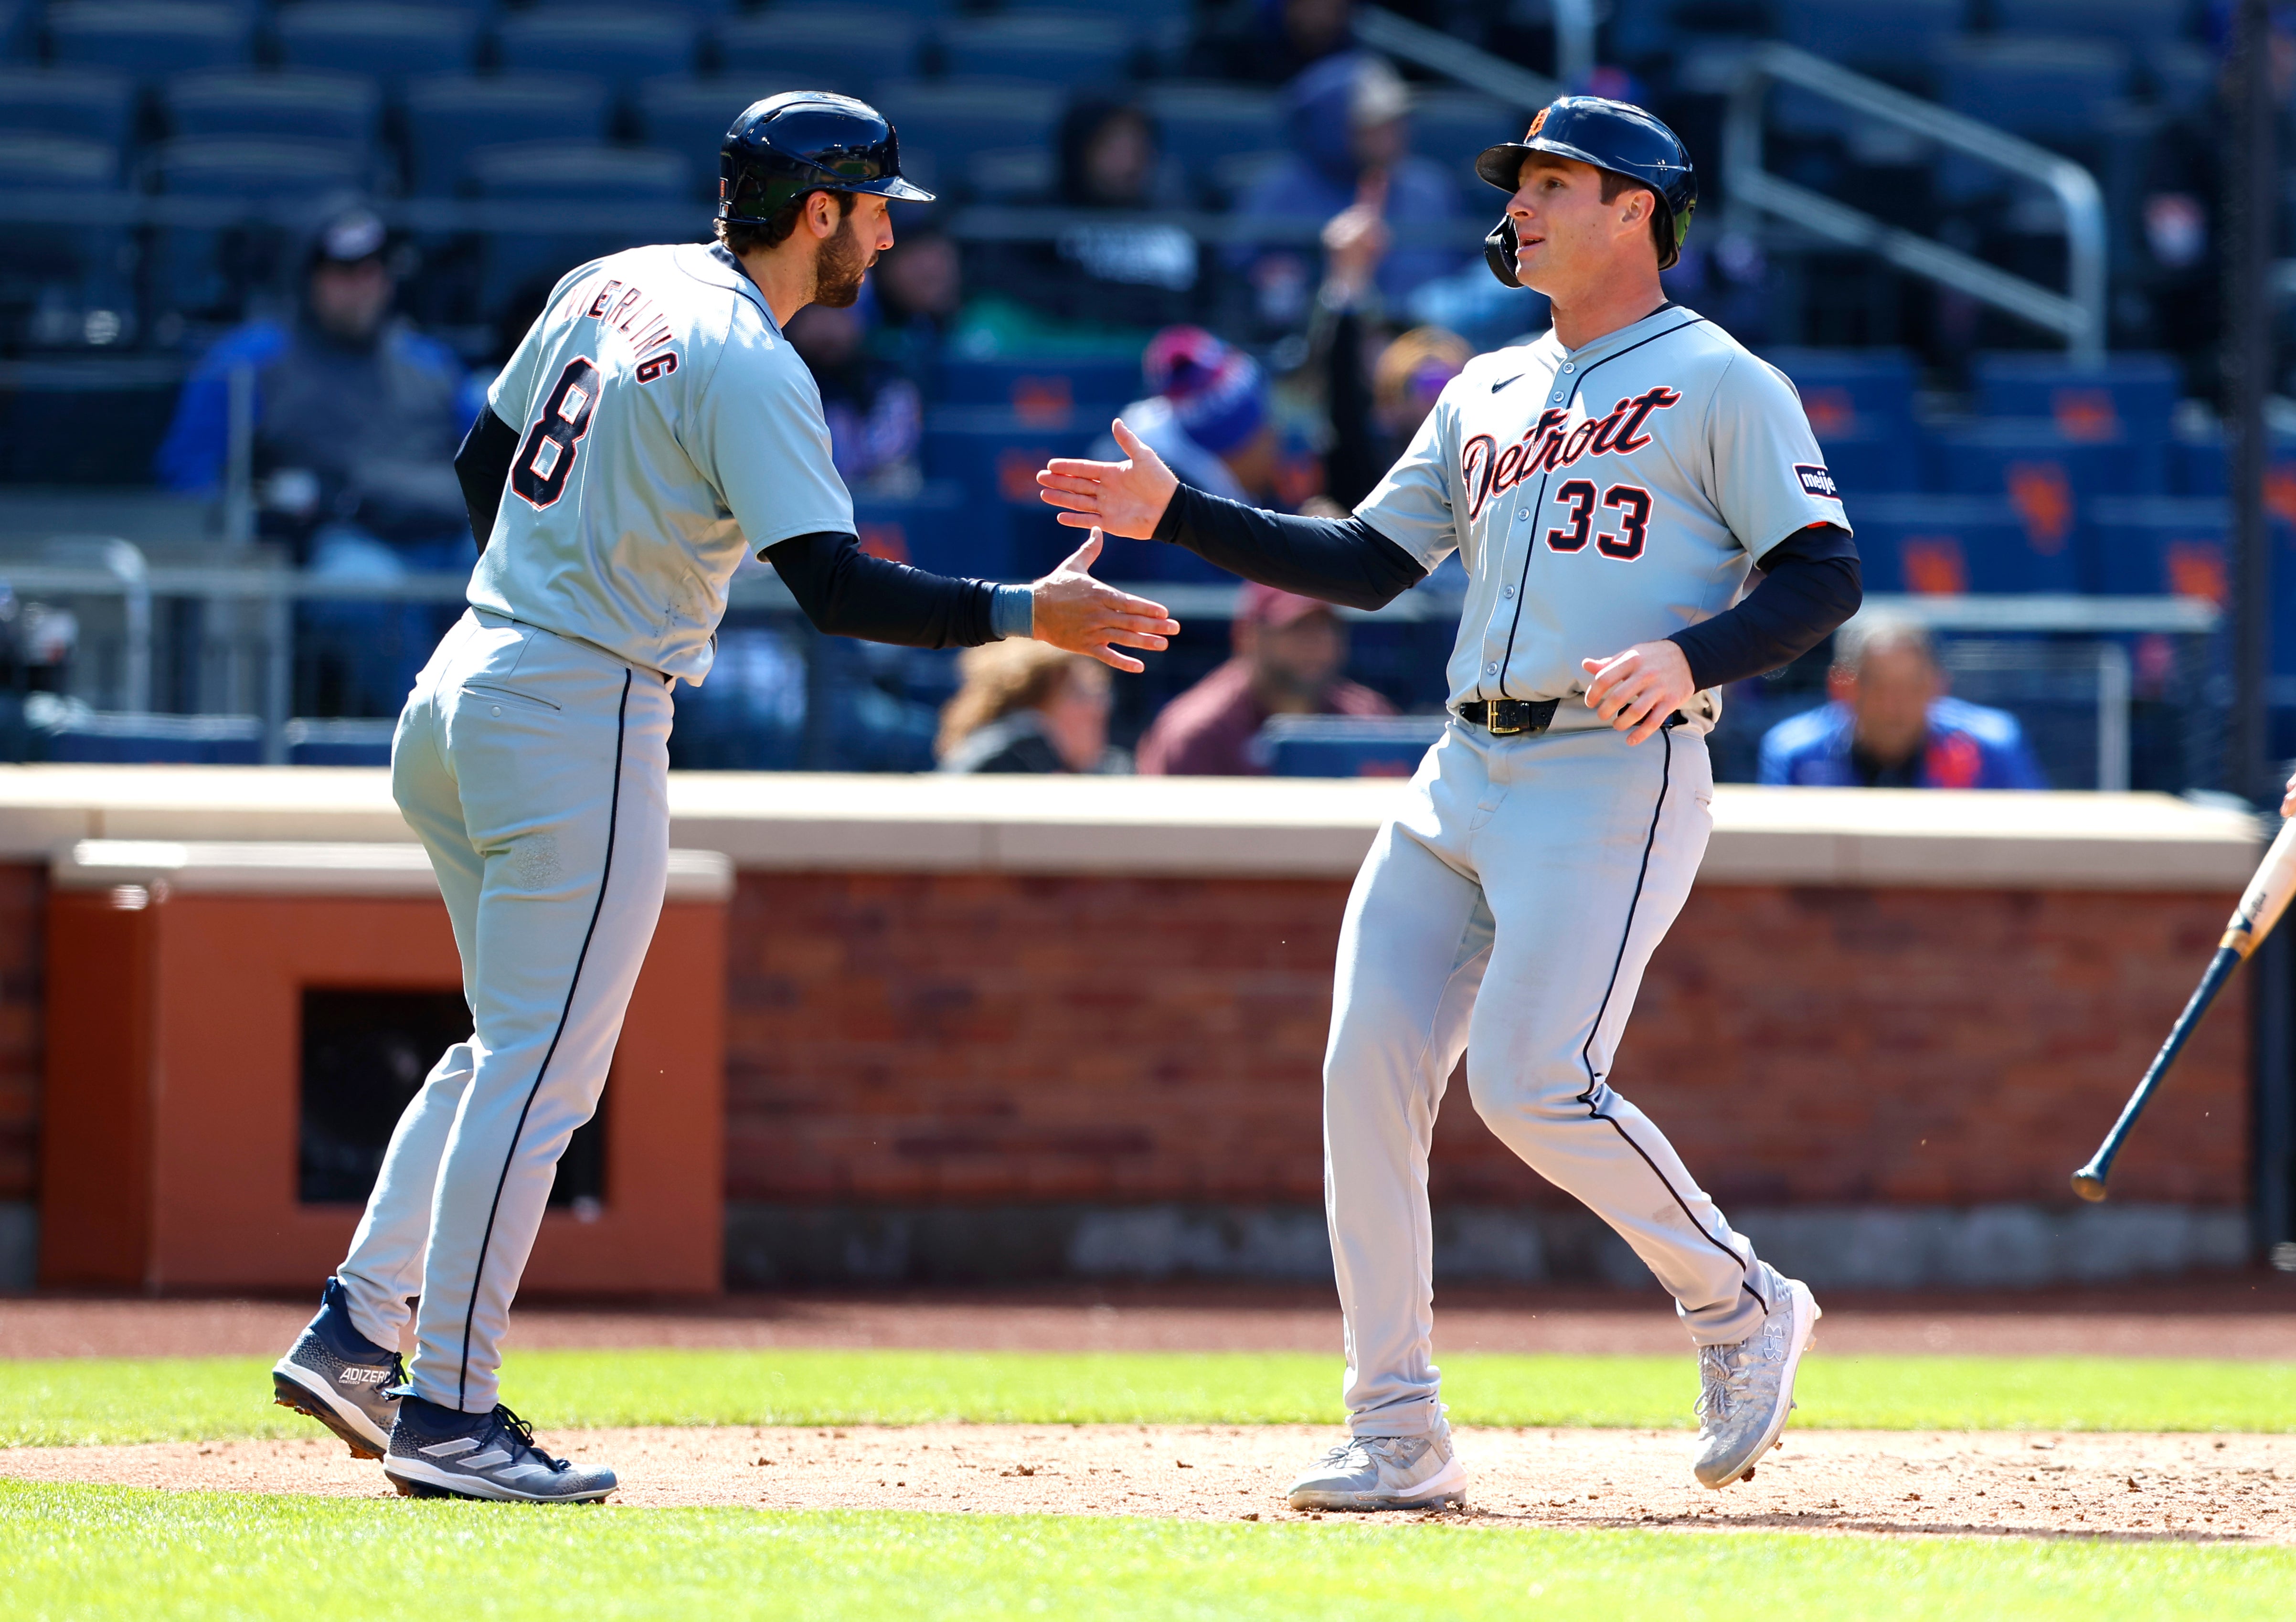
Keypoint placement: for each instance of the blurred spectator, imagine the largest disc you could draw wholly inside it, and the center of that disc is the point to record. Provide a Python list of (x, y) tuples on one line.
[(1267, 42), (357, 420), (1207, 415), (1027, 706), (909, 299), (1349, 126), (1289, 654), (876, 416), (1105, 279), (1890, 725)]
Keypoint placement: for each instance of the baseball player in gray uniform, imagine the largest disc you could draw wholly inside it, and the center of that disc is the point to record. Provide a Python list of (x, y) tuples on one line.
[(1609, 489), (652, 428)]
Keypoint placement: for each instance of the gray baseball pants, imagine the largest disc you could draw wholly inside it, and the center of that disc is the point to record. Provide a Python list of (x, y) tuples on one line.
[(535, 770), (1509, 914)]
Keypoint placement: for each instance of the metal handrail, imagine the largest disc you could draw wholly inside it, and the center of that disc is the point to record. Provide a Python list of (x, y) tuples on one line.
[(1439, 52), (2078, 315)]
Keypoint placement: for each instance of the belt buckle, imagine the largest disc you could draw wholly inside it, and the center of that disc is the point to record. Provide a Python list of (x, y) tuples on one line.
[(1505, 718)]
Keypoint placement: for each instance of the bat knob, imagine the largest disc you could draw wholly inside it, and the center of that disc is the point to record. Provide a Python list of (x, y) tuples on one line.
[(2088, 1182)]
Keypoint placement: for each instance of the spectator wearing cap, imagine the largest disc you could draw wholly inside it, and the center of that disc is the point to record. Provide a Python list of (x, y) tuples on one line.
[(1288, 653), (1891, 725), (1205, 413), (1348, 123), (357, 420)]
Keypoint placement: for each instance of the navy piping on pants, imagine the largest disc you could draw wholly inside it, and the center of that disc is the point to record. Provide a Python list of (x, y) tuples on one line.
[(613, 815), (1586, 1049)]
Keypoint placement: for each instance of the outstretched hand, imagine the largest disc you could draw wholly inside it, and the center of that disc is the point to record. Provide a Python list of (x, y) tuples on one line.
[(1121, 497), (1635, 691), (1075, 611)]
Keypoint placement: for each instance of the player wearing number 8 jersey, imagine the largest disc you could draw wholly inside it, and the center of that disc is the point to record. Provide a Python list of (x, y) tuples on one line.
[(652, 429), (1609, 489)]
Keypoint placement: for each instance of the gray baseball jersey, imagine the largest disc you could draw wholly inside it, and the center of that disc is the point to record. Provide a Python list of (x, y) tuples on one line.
[(666, 426), (1601, 497)]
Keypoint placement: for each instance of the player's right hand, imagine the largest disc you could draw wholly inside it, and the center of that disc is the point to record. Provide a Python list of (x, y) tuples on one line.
[(1121, 497), (1075, 611)]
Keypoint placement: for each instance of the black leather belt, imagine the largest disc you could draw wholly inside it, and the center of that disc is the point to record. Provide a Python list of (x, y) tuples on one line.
[(1510, 717)]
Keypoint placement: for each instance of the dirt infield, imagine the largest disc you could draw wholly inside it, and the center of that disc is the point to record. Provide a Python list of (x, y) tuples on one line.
[(2188, 1487), (2244, 1316)]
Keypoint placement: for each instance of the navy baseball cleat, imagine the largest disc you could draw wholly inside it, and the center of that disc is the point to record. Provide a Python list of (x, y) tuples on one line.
[(442, 1452), (341, 1378)]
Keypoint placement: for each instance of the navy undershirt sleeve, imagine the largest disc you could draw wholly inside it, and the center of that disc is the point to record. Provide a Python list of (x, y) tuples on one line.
[(1333, 559), (1811, 583), (845, 592), (481, 467)]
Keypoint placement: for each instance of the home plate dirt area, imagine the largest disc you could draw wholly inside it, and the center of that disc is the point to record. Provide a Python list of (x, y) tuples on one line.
[(2193, 1488)]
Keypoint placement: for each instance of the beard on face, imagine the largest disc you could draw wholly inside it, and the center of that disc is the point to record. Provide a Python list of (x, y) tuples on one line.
[(837, 274)]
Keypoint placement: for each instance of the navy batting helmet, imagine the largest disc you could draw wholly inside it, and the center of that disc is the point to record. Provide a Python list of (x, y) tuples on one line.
[(806, 141), (1613, 135)]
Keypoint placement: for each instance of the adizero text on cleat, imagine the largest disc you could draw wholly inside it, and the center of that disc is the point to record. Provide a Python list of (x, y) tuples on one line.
[(339, 1377), (437, 1452)]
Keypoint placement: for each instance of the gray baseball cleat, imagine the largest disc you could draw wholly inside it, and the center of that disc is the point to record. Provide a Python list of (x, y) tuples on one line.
[(1746, 1391), (1384, 1472), (442, 1452), (341, 1378)]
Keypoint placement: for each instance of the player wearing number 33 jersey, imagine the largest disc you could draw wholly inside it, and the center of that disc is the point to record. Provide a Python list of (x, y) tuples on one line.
[(653, 427), (1610, 487)]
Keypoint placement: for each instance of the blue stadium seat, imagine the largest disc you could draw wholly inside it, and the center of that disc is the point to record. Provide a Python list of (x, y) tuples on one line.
[(79, 102), (1050, 49), (1867, 462), (392, 43), (1947, 546), (692, 115), (943, 125), (1348, 746), (575, 174), (150, 38), (115, 738), (2044, 476), (1199, 124), (2130, 395), (323, 106), (840, 50), (1851, 391), (619, 46), (56, 163), (2141, 25), (80, 266), (940, 528), (2047, 90), (1450, 127), (203, 267), (2148, 546), (1889, 34), (993, 455), (453, 115), (1056, 393)]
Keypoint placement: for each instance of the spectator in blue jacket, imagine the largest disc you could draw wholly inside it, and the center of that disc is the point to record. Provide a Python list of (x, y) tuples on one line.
[(357, 420), (1892, 725)]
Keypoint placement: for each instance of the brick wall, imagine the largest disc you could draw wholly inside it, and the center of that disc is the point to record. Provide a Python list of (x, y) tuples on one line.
[(955, 1039), (23, 908)]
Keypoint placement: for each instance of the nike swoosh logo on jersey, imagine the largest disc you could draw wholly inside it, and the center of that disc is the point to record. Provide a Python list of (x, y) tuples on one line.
[(1517, 378)]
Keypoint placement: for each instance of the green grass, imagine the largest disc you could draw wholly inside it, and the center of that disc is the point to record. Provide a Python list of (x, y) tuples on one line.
[(110, 1551), (79, 1400)]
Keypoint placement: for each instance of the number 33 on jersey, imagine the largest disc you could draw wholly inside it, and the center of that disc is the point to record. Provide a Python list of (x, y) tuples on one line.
[(1601, 497)]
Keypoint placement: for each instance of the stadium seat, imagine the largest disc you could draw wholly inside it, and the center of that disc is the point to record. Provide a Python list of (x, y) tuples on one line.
[(2043, 475), (691, 115), (2147, 546), (450, 116), (322, 106), (32, 162), (841, 50), (1851, 391), (2141, 25), (620, 46), (1050, 49), (208, 268), (1348, 746), (78, 267), (2046, 90), (1451, 126), (576, 175), (943, 125), (1199, 123), (1054, 394), (993, 455), (78, 103), (940, 528), (1891, 34), (391, 43), (150, 38), (1948, 545), (2129, 395)]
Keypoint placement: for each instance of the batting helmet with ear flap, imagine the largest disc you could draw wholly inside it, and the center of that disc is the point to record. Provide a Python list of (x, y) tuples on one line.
[(1613, 135)]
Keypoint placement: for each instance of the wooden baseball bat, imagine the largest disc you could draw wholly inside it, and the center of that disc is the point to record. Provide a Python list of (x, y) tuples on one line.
[(2252, 921)]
